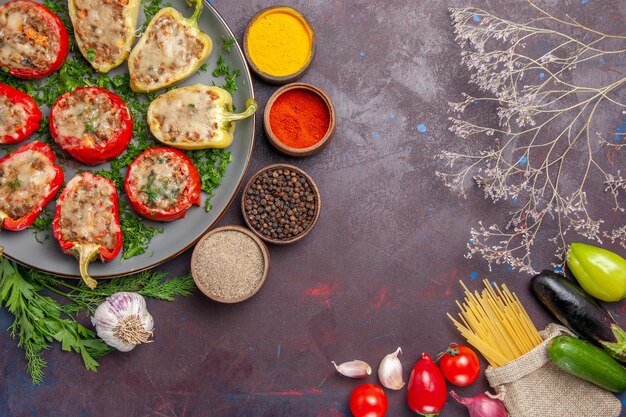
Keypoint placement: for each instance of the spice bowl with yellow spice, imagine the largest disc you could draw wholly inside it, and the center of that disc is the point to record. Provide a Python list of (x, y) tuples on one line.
[(279, 44), (299, 119)]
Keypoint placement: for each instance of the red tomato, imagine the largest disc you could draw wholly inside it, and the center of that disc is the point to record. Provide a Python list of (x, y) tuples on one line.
[(459, 365), (427, 391), (368, 400)]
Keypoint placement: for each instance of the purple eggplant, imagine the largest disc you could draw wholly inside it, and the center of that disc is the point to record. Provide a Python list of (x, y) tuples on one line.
[(580, 312)]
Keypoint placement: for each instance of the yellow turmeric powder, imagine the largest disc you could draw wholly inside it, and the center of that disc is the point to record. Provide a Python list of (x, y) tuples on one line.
[(280, 41)]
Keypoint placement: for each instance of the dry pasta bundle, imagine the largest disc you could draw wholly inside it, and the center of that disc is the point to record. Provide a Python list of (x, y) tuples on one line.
[(495, 322)]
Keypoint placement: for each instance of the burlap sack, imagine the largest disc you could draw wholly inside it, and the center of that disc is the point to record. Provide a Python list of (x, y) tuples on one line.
[(532, 386)]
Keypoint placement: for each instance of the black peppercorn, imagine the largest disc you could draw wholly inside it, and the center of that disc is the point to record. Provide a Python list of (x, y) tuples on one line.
[(280, 203)]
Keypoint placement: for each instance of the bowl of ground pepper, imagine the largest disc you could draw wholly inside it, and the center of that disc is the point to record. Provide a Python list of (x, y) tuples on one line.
[(299, 119), (281, 204), (230, 264)]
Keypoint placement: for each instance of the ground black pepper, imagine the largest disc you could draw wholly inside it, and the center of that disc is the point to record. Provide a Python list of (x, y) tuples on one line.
[(280, 204)]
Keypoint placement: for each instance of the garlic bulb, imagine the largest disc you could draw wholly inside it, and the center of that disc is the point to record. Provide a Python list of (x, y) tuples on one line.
[(123, 321), (390, 371), (353, 369)]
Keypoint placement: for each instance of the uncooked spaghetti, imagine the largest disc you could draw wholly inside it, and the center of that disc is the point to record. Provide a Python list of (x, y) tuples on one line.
[(495, 322)]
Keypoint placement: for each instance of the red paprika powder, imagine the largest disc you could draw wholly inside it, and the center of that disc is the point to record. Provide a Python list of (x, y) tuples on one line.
[(299, 118)]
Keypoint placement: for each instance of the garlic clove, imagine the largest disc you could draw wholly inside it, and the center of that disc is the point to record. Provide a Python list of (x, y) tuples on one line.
[(390, 371), (353, 369)]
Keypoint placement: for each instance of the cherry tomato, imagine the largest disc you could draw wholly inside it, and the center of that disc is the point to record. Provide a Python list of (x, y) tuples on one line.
[(368, 400), (459, 364)]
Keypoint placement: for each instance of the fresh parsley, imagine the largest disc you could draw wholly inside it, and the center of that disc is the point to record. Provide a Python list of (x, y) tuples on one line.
[(137, 234), (42, 226), (41, 320), (228, 42), (15, 184), (91, 55)]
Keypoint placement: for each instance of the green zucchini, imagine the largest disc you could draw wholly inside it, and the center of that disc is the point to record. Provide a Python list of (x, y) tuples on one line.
[(588, 362)]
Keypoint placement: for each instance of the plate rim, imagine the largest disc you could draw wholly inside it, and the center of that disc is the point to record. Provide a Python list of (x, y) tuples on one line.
[(248, 79)]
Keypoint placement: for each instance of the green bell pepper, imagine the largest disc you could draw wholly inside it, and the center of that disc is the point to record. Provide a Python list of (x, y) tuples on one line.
[(600, 272)]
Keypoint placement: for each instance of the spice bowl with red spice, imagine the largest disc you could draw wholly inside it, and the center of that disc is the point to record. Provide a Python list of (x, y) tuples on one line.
[(299, 119)]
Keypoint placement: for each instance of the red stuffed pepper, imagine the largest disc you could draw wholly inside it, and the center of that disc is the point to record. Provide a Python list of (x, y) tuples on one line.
[(33, 42), (19, 115), (162, 183), (91, 124), (29, 179), (87, 221)]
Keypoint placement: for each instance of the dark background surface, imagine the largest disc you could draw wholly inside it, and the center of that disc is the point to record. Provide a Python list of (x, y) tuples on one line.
[(380, 270)]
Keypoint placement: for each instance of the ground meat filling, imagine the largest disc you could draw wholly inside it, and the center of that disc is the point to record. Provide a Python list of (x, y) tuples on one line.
[(88, 119), (27, 40), (105, 40), (187, 117), (159, 180), (87, 213), (168, 50), (24, 181), (13, 117)]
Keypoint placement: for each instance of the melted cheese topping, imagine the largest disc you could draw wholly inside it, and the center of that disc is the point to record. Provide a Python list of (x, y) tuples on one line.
[(13, 117), (24, 182), (168, 49), (100, 26), (26, 41), (87, 213), (186, 115), (86, 118), (159, 180)]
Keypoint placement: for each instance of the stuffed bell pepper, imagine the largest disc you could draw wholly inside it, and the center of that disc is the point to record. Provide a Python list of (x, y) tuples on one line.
[(104, 30), (33, 41), (196, 117), (29, 179), (171, 49), (19, 115), (87, 221), (162, 183), (92, 124)]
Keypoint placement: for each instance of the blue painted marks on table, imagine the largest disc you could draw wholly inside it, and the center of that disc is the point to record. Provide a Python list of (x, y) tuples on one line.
[(392, 117), (421, 128), (375, 136), (542, 75), (602, 60), (362, 54), (577, 9), (474, 275), (514, 200), (584, 2), (509, 269), (601, 17), (558, 269), (476, 18), (523, 160), (620, 132)]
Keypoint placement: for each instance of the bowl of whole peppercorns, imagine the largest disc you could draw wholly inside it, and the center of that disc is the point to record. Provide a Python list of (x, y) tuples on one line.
[(281, 204)]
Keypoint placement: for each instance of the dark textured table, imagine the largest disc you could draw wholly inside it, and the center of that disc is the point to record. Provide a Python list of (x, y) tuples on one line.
[(379, 271)]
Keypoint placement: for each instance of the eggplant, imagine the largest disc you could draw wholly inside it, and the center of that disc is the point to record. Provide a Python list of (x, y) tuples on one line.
[(580, 312)]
